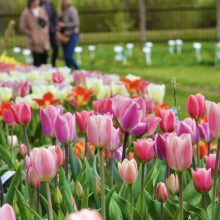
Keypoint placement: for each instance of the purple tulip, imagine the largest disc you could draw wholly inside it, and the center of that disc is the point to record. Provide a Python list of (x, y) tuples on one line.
[(188, 126), (47, 117), (65, 128), (205, 133), (160, 145)]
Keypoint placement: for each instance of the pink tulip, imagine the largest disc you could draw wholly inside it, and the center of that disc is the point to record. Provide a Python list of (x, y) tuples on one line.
[(7, 212), (99, 129), (128, 171), (114, 143), (179, 152), (65, 128), (188, 126), (152, 121), (162, 194), (160, 146), (205, 133), (23, 150), (131, 115), (210, 162), (8, 116), (58, 153), (85, 214), (214, 118), (82, 118), (47, 117), (202, 179), (103, 106), (196, 105), (144, 149), (22, 113), (172, 183), (57, 77), (168, 119), (33, 179), (44, 163)]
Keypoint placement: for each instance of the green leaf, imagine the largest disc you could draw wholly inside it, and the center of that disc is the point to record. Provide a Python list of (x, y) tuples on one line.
[(85, 199), (114, 210), (65, 190), (14, 183), (5, 156), (24, 210), (74, 164), (217, 210)]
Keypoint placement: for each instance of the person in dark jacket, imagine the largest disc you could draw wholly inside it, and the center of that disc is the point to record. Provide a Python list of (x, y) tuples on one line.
[(52, 15)]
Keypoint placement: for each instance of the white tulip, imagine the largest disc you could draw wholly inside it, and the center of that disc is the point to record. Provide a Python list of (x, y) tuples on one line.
[(156, 92), (12, 140), (5, 94)]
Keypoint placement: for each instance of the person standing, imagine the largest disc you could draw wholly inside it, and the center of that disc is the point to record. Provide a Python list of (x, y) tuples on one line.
[(52, 15), (34, 24), (69, 26)]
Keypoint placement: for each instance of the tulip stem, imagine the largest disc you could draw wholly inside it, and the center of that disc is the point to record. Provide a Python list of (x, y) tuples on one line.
[(102, 184), (50, 208), (204, 200), (26, 139), (86, 146), (131, 197), (1, 192), (161, 211), (215, 179), (66, 160), (38, 199), (54, 141), (111, 170), (142, 187), (125, 143), (167, 170), (180, 196), (193, 162)]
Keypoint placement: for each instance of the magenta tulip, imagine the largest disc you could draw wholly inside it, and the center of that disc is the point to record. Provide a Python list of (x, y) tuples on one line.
[(205, 133), (7, 212), (196, 106), (44, 163), (160, 146), (161, 191), (8, 116), (85, 214), (99, 129), (22, 113), (188, 126), (47, 117), (82, 118), (65, 128), (144, 149), (168, 119), (202, 179), (213, 111), (179, 152), (128, 171)]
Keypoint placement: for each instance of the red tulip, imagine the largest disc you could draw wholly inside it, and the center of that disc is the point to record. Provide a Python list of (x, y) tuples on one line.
[(196, 105), (202, 179), (8, 116), (22, 113), (168, 119), (162, 194), (144, 149)]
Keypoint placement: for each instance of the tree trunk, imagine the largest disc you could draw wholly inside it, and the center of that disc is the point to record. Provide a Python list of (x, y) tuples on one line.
[(127, 4), (143, 35), (218, 19)]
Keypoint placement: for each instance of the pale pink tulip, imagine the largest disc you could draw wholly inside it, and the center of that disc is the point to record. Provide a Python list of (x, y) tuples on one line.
[(7, 212), (85, 214), (114, 143), (33, 179), (23, 150), (210, 162)]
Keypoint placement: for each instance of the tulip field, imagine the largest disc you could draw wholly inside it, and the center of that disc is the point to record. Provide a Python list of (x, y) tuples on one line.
[(83, 145)]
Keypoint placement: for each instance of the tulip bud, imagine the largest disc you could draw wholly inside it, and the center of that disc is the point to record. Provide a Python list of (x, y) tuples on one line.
[(12, 140), (23, 150), (172, 184), (97, 187), (33, 179), (168, 119), (79, 190), (162, 194), (16, 209), (58, 197)]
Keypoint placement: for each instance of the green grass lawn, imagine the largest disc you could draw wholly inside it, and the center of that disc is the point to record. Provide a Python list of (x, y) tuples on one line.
[(192, 77)]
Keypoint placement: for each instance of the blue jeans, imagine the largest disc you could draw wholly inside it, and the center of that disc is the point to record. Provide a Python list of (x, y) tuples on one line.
[(68, 52)]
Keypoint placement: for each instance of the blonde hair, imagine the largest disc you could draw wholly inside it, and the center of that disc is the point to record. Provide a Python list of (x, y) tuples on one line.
[(64, 4)]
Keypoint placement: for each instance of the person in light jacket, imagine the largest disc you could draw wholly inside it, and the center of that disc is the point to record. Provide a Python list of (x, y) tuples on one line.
[(69, 26), (34, 24)]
